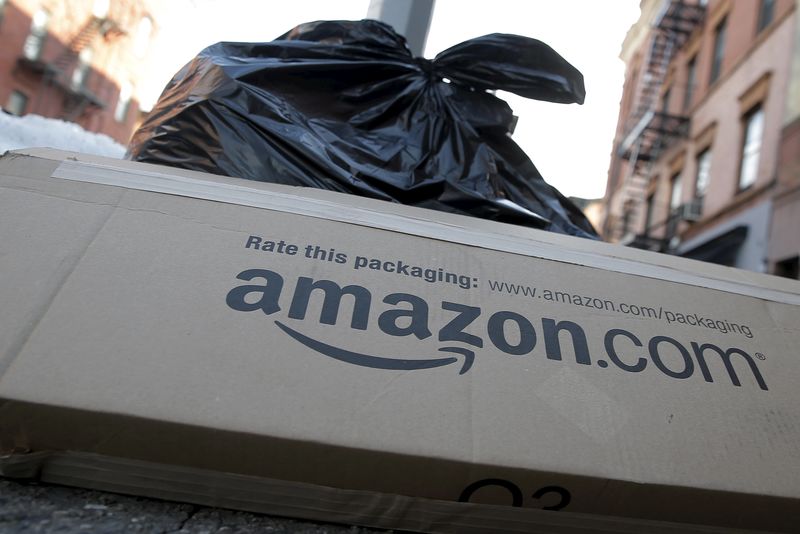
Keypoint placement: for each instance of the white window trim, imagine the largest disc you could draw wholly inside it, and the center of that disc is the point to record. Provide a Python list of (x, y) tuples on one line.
[(751, 148)]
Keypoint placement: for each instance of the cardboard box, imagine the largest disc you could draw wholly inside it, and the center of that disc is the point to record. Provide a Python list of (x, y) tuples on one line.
[(306, 353)]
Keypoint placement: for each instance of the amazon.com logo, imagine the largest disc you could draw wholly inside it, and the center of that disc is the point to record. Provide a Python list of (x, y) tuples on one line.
[(466, 329)]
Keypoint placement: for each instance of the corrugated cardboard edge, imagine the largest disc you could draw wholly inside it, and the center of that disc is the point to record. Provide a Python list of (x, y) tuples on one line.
[(319, 503), (415, 221), (174, 450)]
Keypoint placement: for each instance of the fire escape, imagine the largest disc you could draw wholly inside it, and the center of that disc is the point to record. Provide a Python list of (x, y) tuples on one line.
[(651, 129), (60, 72), (77, 98)]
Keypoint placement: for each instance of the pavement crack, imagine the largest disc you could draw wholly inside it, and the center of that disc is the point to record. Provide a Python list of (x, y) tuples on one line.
[(193, 510)]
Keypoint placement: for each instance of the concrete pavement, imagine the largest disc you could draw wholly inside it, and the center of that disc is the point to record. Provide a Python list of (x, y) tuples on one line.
[(27, 507)]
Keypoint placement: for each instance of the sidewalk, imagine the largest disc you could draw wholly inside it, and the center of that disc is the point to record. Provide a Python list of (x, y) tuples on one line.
[(38, 508)]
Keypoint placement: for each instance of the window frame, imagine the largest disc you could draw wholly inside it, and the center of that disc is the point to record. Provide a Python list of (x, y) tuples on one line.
[(718, 50), (650, 206), (753, 159), (37, 35), (124, 99), (24, 99), (82, 70), (144, 34), (766, 14), (702, 156), (666, 97), (691, 82), (675, 190)]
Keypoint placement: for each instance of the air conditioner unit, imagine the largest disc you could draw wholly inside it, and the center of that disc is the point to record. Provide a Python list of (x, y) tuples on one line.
[(691, 211)]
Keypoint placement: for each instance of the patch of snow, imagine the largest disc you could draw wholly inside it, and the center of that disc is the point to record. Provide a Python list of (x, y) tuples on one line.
[(31, 131)]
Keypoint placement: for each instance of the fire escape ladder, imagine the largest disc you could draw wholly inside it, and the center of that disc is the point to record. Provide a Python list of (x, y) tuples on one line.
[(641, 141), (650, 129), (77, 99), (88, 32)]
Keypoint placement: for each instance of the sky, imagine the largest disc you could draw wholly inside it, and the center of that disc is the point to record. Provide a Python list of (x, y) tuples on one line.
[(571, 145)]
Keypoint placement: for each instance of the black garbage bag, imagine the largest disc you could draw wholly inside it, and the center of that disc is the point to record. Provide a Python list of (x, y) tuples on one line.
[(344, 106)]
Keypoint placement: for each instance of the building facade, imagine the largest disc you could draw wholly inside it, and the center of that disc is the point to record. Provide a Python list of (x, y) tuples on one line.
[(698, 169), (784, 245), (77, 60)]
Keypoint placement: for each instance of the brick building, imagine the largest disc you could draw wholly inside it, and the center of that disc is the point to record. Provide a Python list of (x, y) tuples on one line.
[(76, 60), (706, 159)]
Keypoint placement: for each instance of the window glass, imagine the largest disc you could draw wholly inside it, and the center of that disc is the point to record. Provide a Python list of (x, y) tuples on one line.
[(32, 49), (691, 76), (751, 148), (17, 102), (648, 222), (677, 191), (665, 100), (765, 13), (719, 50), (100, 8), (81, 72), (123, 103), (142, 40), (703, 173)]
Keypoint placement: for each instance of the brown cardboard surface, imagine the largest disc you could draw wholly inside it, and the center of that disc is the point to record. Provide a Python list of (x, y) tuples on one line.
[(280, 497), (547, 372)]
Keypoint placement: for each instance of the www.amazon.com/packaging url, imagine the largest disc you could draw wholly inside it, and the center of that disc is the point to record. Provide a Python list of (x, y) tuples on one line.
[(659, 313)]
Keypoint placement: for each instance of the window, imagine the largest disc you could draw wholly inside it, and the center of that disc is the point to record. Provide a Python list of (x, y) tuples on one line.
[(100, 8), (691, 80), (665, 100), (677, 191), (124, 102), (17, 102), (142, 40), (751, 147), (648, 221), (765, 14), (81, 72), (719, 50), (32, 49), (2, 9), (703, 173)]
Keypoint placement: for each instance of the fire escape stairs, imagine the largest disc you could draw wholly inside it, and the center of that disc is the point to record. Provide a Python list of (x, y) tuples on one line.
[(85, 36), (650, 130), (77, 99)]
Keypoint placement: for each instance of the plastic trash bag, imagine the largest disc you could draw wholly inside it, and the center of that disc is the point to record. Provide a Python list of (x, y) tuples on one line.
[(344, 106)]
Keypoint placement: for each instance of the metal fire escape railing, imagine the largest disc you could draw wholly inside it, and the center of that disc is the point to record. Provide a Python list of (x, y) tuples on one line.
[(651, 130), (689, 212), (57, 72), (87, 33), (79, 98)]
